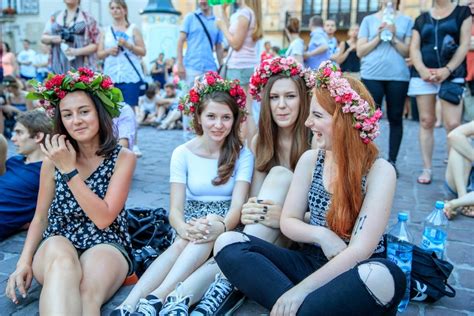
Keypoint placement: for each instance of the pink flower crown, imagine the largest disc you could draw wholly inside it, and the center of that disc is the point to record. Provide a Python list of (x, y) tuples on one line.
[(208, 83), (56, 87), (284, 65), (364, 117)]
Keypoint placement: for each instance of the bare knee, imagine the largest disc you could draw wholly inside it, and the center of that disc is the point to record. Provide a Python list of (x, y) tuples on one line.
[(89, 294), (378, 280), (227, 239), (427, 122), (450, 125), (279, 172), (65, 264)]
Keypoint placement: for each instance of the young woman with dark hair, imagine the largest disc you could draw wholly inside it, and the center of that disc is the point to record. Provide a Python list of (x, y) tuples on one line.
[(80, 224), (210, 177), (296, 48), (349, 193)]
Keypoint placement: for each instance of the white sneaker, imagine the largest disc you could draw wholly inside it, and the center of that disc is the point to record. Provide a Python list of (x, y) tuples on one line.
[(137, 151)]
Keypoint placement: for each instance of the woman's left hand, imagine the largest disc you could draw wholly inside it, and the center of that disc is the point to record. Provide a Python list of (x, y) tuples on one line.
[(60, 151), (289, 303), (441, 74), (71, 51), (208, 229)]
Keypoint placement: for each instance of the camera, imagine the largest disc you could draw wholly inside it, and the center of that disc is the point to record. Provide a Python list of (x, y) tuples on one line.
[(67, 35), (143, 258)]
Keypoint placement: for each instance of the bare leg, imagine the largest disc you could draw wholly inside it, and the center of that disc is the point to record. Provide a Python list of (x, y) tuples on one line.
[(56, 266), (457, 172), (104, 270), (426, 108), (156, 273), (439, 114), (451, 115), (2, 122), (190, 259), (274, 188)]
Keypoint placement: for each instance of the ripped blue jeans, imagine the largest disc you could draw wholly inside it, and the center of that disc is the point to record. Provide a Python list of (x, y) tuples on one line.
[(264, 272)]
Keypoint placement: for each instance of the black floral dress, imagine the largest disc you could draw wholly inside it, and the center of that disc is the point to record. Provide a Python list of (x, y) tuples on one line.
[(66, 218)]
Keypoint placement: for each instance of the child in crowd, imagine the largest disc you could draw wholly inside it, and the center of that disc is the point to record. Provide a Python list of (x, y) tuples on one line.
[(349, 199), (167, 108), (210, 177), (80, 224), (147, 104), (19, 175)]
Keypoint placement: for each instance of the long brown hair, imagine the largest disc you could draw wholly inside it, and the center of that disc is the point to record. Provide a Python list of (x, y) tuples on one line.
[(256, 7), (107, 138), (353, 160), (268, 147), (230, 150)]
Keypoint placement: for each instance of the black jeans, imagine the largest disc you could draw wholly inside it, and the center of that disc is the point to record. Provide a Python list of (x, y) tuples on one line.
[(395, 93), (264, 272)]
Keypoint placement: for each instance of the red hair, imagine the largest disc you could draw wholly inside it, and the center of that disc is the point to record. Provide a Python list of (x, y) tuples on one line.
[(353, 160)]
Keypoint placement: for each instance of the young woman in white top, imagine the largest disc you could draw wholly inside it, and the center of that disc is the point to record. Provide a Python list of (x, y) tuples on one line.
[(296, 48), (242, 31), (210, 178)]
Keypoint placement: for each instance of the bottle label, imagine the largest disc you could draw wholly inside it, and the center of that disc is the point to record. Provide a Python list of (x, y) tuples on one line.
[(434, 239), (401, 255)]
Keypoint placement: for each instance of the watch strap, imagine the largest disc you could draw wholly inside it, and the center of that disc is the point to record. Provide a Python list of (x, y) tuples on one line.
[(68, 176)]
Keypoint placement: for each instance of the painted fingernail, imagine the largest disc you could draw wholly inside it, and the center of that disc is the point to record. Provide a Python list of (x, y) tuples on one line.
[(207, 232), (255, 221), (204, 237), (265, 208), (259, 201), (262, 217)]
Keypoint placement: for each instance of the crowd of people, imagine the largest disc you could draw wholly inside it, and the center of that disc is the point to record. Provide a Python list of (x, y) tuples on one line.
[(265, 194)]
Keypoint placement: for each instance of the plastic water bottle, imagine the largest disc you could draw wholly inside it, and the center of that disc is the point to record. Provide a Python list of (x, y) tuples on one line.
[(400, 251), (435, 230), (388, 18)]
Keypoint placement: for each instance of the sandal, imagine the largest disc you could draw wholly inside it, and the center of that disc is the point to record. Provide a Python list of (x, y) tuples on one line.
[(425, 176), (468, 211)]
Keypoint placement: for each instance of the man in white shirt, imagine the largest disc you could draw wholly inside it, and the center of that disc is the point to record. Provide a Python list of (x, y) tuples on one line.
[(25, 59)]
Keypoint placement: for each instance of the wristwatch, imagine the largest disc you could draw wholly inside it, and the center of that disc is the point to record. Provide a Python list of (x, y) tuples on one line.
[(68, 176)]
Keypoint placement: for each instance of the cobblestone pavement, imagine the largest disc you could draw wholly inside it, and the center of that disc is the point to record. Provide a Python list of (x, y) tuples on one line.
[(151, 188)]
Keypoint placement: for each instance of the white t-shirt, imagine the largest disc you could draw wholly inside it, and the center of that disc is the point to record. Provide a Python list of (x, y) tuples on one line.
[(246, 56), (41, 59), (198, 172), (147, 105), (27, 56), (296, 48)]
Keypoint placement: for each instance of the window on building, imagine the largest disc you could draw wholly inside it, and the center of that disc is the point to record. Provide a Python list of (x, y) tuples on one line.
[(366, 7), (340, 11), (310, 8)]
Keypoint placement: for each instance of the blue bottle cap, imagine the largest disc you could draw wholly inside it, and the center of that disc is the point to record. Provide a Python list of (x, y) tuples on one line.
[(439, 204), (402, 216)]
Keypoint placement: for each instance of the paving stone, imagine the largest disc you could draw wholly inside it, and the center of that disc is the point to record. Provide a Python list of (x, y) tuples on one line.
[(441, 311), (466, 278), (461, 253), (463, 301)]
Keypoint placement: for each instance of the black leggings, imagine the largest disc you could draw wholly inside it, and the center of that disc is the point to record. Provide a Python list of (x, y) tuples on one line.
[(264, 272), (395, 93)]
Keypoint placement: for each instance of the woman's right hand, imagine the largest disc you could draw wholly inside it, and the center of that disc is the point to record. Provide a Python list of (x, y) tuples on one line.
[(426, 74), (113, 51), (56, 39), (331, 244), (265, 212), (20, 279)]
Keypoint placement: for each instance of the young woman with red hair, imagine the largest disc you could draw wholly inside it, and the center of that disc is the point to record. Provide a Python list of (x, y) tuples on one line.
[(348, 191)]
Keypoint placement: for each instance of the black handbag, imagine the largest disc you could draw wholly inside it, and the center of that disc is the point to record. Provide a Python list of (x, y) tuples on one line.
[(451, 92), (151, 234), (142, 84), (429, 277)]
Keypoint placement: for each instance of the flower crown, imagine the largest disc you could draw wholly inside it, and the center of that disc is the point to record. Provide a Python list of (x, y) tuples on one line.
[(208, 83), (269, 67), (364, 117), (55, 88)]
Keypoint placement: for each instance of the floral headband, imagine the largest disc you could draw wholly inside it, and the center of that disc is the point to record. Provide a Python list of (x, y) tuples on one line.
[(56, 87), (208, 83), (270, 67), (364, 117)]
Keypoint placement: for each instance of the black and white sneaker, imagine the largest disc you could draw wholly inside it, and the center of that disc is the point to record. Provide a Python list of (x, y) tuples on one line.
[(221, 298), (148, 306), (124, 310), (176, 304)]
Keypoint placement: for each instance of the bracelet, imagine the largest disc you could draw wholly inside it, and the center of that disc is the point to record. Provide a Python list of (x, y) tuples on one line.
[(225, 227), (449, 69)]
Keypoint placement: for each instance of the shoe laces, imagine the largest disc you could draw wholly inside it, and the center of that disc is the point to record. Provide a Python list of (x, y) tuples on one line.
[(176, 303), (146, 307), (215, 295)]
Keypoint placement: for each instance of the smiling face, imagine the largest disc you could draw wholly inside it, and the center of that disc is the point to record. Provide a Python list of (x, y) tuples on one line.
[(216, 121), (320, 123), (24, 142), (284, 102), (79, 116)]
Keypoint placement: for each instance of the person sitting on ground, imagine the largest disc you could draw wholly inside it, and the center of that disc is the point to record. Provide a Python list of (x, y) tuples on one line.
[(147, 104), (78, 246), (15, 103), (126, 126), (210, 177), (168, 103), (460, 171), (19, 175), (281, 140), (349, 193)]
